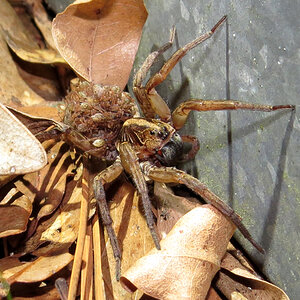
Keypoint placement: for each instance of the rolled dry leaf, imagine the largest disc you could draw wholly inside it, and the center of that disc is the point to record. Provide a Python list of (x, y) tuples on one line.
[(235, 280), (189, 258)]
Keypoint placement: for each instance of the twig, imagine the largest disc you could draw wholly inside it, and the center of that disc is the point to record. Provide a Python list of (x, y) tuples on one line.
[(99, 295), (86, 286), (82, 231)]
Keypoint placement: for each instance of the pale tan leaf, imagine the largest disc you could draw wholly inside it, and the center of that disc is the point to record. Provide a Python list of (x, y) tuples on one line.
[(99, 39), (42, 268), (20, 151), (43, 111), (170, 208), (189, 258), (21, 41)]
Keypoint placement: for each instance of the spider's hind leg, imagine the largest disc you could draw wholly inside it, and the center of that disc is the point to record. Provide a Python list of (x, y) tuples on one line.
[(106, 176), (173, 175)]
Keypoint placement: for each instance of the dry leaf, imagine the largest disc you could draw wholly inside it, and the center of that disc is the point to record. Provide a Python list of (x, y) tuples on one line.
[(20, 40), (189, 258), (20, 151), (36, 293), (61, 229), (133, 235), (41, 19), (9, 223), (42, 111), (99, 39), (13, 90), (43, 267), (170, 208), (235, 280), (41, 78), (37, 185)]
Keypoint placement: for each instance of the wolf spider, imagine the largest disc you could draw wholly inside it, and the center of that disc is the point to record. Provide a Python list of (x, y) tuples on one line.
[(102, 122)]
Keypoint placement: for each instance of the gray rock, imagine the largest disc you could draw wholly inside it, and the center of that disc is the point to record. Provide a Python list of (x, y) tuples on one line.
[(250, 159)]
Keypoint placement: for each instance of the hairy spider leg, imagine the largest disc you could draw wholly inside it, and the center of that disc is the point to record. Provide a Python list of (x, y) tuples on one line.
[(139, 77), (180, 114), (151, 103), (195, 147), (131, 164), (108, 175), (173, 175)]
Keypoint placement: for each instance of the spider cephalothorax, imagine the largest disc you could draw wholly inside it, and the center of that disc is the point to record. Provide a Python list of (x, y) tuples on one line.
[(153, 139)]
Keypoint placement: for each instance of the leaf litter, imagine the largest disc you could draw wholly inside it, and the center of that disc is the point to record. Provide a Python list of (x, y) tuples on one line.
[(49, 202)]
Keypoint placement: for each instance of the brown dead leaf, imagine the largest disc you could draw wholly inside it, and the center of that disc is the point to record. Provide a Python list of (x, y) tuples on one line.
[(20, 40), (38, 185), (99, 39), (42, 111), (133, 235), (43, 267), (13, 90), (235, 280), (36, 293), (9, 223), (41, 78), (42, 20), (189, 258), (61, 229)]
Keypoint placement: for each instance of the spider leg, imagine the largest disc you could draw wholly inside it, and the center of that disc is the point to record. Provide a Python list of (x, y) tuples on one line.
[(149, 99), (173, 175), (180, 114), (195, 147), (139, 77), (106, 176), (131, 164)]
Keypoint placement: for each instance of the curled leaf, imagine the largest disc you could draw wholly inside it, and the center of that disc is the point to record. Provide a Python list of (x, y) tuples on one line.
[(189, 258), (99, 39), (235, 280)]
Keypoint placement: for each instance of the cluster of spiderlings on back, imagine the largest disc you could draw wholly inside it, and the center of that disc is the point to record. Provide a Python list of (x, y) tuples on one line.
[(97, 113)]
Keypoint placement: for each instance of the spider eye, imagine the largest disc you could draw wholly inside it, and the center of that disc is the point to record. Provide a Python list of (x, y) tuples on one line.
[(152, 132)]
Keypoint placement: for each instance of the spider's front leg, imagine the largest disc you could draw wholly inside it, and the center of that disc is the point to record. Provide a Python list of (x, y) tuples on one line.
[(173, 175), (180, 114), (130, 162), (107, 176), (150, 101)]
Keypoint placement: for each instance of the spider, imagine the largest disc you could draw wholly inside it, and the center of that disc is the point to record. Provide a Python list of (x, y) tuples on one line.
[(103, 122)]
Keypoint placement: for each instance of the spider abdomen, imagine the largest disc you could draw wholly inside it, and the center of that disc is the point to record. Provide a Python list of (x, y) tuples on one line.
[(96, 114)]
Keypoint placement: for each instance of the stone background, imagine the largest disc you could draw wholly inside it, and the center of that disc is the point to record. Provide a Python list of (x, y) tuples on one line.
[(250, 159)]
